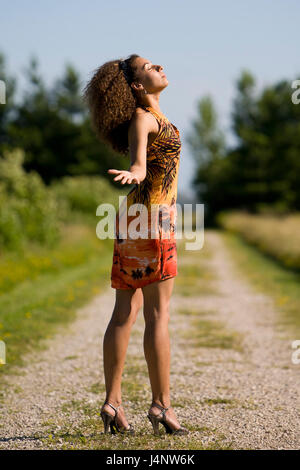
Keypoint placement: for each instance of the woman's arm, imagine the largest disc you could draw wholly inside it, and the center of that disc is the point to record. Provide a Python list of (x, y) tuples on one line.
[(138, 131)]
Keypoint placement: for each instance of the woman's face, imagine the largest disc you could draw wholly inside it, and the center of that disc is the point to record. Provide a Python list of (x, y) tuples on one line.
[(150, 75)]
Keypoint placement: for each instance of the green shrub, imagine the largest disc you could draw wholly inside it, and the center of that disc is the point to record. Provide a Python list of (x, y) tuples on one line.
[(27, 207), (84, 194), (32, 211)]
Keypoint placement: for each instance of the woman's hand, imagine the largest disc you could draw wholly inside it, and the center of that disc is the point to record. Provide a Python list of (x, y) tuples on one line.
[(125, 176)]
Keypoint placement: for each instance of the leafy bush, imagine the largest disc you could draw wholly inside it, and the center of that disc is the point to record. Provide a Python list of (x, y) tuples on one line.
[(83, 194), (32, 211), (27, 207)]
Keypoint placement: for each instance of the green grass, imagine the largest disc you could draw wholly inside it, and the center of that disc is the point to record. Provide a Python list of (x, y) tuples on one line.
[(97, 388), (269, 277), (206, 333), (229, 402), (259, 229), (217, 401), (35, 308), (88, 433), (194, 275), (205, 253), (34, 260), (194, 280), (194, 312)]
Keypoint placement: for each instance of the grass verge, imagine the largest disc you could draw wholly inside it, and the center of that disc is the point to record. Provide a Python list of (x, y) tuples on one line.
[(34, 308)]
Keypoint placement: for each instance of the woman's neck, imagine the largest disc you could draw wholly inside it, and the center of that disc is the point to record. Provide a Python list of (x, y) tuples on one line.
[(156, 108)]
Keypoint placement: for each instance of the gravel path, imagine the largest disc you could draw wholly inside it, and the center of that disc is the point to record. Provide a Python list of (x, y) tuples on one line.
[(250, 397)]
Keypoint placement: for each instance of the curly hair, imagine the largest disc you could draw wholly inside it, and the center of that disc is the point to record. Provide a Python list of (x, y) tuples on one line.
[(112, 102)]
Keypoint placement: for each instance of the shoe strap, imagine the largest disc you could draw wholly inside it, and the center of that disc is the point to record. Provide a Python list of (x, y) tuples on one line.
[(115, 408), (130, 427), (163, 410)]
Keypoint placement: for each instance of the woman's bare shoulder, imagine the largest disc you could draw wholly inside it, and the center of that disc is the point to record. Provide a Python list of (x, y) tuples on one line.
[(145, 118)]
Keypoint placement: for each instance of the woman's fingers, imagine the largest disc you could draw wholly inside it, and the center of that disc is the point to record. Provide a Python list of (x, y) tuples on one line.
[(119, 173), (124, 176), (119, 177), (124, 179)]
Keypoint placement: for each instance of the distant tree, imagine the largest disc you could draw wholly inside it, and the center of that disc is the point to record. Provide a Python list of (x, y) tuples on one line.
[(207, 143), (269, 139), (263, 169), (53, 128), (6, 110), (66, 95)]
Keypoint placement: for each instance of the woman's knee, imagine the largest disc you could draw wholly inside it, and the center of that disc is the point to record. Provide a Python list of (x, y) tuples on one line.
[(157, 300), (123, 316), (157, 315), (127, 307)]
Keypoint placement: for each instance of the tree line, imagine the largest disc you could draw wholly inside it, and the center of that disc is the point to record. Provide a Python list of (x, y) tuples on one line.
[(261, 172), (52, 126)]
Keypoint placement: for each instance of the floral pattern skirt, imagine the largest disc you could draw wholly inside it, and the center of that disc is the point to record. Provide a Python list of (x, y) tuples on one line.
[(141, 261)]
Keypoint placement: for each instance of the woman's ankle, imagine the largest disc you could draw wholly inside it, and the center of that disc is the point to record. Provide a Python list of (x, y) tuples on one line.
[(163, 402), (113, 401)]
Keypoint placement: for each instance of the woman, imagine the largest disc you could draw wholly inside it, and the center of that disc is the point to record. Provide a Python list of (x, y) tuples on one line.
[(123, 97)]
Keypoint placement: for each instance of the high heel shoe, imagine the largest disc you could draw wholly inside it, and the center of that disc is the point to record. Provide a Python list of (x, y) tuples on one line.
[(156, 419), (110, 421)]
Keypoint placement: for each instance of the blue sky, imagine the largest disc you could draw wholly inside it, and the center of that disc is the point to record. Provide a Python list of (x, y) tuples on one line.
[(203, 46)]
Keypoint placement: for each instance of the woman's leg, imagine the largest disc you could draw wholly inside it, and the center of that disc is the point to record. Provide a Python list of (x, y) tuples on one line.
[(157, 344), (116, 339)]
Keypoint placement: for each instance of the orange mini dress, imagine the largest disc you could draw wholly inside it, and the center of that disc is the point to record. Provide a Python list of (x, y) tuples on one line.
[(140, 260)]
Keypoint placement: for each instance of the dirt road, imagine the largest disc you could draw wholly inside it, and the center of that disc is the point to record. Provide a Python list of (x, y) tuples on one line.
[(232, 379)]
